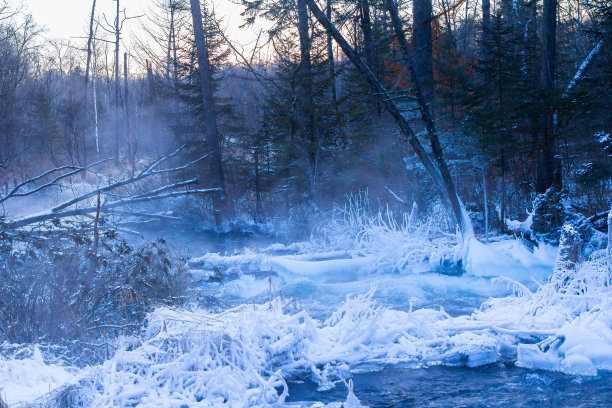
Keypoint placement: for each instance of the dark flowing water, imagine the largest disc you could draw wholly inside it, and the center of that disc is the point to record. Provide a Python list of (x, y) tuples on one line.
[(496, 385)]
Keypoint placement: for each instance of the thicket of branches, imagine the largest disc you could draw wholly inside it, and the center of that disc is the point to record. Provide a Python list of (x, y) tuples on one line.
[(298, 123)]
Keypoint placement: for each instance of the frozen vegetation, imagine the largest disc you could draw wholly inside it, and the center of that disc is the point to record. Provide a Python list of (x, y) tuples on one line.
[(364, 293)]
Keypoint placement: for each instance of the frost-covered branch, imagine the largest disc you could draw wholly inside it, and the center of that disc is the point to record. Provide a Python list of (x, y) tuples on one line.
[(585, 64), (147, 172), (62, 210), (73, 170), (50, 215)]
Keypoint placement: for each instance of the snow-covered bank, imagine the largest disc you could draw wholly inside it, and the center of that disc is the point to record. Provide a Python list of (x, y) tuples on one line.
[(246, 355), (297, 318), (26, 378)]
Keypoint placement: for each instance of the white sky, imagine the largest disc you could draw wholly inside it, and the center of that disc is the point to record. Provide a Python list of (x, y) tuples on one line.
[(70, 18)]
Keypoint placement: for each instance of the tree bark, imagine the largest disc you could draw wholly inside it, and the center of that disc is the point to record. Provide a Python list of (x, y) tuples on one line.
[(305, 93), (330, 56), (486, 27), (421, 28), (117, 86), (424, 103), (547, 167), (368, 44), (220, 202), (89, 41)]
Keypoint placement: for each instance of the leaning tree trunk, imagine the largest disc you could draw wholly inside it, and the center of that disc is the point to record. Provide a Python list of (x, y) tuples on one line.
[(220, 202), (441, 177), (424, 102)]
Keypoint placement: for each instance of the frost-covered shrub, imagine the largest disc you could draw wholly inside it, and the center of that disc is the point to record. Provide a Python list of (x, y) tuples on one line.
[(549, 214), (54, 286), (551, 211), (395, 239)]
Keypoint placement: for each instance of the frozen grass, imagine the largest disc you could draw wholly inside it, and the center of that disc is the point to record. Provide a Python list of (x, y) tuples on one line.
[(570, 316), (245, 356), (396, 240)]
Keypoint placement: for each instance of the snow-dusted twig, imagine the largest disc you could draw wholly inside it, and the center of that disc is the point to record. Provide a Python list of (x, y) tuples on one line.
[(50, 215), (147, 172), (73, 170)]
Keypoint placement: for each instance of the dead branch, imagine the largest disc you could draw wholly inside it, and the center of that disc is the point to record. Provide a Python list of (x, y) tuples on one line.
[(62, 210), (147, 172), (50, 215), (74, 170)]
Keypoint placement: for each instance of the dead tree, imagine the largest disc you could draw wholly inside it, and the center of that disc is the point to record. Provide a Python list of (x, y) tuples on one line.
[(68, 208), (115, 29), (220, 202), (438, 172), (89, 41)]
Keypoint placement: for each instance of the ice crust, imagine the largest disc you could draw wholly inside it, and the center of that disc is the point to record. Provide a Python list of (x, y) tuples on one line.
[(27, 379), (245, 356)]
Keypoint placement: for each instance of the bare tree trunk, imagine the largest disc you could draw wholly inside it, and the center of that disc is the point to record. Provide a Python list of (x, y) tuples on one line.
[(132, 144), (174, 58), (168, 55), (96, 237), (117, 87), (609, 248), (421, 28), (330, 56), (432, 132), (95, 101), (220, 202), (368, 44), (547, 167), (85, 93), (503, 193), (486, 20), (89, 41), (305, 92), (486, 202)]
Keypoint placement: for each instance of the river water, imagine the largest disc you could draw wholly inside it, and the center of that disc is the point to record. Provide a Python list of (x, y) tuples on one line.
[(496, 385)]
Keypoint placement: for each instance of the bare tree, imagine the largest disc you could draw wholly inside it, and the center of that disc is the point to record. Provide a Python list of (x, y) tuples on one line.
[(64, 210), (220, 201), (421, 26), (547, 166), (90, 40), (305, 94)]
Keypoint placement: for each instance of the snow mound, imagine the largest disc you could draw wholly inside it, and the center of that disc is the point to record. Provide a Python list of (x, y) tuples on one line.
[(508, 258), (26, 379)]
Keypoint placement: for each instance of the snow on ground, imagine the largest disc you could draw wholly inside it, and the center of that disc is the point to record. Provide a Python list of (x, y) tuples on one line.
[(245, 356), (297, 315), (27, 379)]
